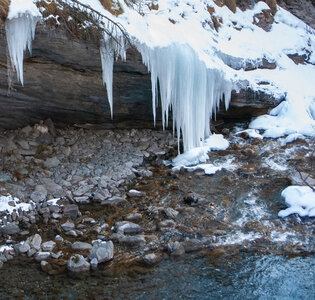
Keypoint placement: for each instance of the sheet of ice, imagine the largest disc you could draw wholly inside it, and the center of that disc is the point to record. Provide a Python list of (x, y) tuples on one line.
[(20, 31), (200, 154), (5, 206), (300, 200)]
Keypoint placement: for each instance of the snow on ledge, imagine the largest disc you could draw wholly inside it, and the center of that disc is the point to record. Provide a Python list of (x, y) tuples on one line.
[(300, 200), (9, 203)]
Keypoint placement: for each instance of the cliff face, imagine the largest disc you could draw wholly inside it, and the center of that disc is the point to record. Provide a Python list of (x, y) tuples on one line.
[(63, 81)]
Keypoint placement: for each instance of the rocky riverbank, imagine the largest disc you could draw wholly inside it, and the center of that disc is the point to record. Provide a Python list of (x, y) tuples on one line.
[(86, 199)]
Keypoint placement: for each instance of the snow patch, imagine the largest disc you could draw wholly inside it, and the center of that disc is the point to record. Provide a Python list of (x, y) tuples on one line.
[(300, 200), (9, 203)]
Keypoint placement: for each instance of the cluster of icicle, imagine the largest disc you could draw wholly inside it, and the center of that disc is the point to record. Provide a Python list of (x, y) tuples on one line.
[(186, 86), (20, 32)]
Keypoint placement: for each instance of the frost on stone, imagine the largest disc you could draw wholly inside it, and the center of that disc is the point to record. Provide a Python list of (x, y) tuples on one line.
[(20, 32), (187, 88)]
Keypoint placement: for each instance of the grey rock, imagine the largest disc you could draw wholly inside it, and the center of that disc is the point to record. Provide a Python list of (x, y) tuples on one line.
[(152, 259), (70, 211), (134, 217), (132, 240), (51, 186), (1, 264), (82, 200), (113, 201), (167, 223), (10, 229), (102, 251), (77, 263), (48, 246), (42, 256), (68, 226), (58, 238), (31, 252), (82, 190), (36, 241), (176, 249), (135, 193), (171, 213), (94, 263), (81, 246), (126, 227), (52, 162), (71, 233), (25, 247), (40, 194)]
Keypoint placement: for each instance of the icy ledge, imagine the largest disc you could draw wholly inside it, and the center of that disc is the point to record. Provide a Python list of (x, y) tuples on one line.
[(300, 200), (20, 31)]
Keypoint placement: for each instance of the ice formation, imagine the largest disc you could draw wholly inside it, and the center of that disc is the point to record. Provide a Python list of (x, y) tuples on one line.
[(20, 31), (111, 49), (300, 200), (188, 88)]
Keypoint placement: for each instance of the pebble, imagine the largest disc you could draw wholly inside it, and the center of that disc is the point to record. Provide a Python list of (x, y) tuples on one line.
[(77, 263), (81, 246), (68, 226), (48, 246)]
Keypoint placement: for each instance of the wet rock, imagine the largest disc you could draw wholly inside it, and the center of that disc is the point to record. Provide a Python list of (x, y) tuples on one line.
[(81, 246), (134, 193), (126, 227), (39, 194), (52, 162), (48, 246), (176, 249), (102, 251), (70, 211), (191, 199), (132, 241), (77, 263), (171, 213), (113, 201), (42, 256), (10, 229), (94, 263), (192, 246), (68, 226), (151, 259)]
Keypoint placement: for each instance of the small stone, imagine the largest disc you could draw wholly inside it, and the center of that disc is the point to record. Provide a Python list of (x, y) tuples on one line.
[(126, 227), (102, 251), (134, 193), (94, 263), (82, 200), (25, 247), (167, 223), (31, 252), (39, 194), (71, 233), (77, 264), (81, 246), (82, 190), (70, 211), (132, 241), (58, 238), (68, 226), (10, 229), (48, 246), (176, 249), (36, 241), (134, 217), (151, 259), (52, 162), (171, 213), (42, 256), (113, 201)]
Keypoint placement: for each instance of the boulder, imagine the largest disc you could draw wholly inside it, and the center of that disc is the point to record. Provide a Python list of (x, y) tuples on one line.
[(102, 251)]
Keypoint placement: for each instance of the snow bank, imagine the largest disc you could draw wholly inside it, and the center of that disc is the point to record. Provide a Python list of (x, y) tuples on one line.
[(300, 200)]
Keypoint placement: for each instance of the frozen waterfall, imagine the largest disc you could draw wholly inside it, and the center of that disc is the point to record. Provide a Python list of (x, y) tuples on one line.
[(20, 32), (188, 88)]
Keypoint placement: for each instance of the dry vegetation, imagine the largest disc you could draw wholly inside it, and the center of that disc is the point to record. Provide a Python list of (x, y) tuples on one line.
[(113, 7), (4, 9)]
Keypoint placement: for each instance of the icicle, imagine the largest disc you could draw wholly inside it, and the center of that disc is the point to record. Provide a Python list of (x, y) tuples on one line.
[(188, 88), (20, 32), (111, 49)]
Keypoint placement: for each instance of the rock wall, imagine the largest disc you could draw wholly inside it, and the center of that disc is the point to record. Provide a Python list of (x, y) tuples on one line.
[(63, 81)]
